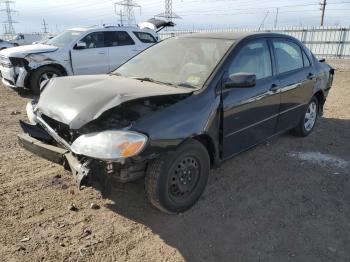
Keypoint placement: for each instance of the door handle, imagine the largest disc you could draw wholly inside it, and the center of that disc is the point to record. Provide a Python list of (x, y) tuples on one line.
[(274, 87), (101, 52)]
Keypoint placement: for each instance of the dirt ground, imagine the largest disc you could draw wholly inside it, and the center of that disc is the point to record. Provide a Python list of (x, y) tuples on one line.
[(285, 200)]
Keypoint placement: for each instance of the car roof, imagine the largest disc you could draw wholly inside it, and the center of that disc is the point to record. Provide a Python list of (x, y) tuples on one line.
[(112, 28), (233, 35)]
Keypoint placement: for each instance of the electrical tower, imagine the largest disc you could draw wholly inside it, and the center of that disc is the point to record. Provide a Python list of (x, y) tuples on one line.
[(45, 26), (168, 13), (128, 6), (323, 9), (9, 29)]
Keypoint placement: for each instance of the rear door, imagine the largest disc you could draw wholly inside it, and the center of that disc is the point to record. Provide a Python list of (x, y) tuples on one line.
[(121, 47), (93, 59), (250, 114), (296, 78)]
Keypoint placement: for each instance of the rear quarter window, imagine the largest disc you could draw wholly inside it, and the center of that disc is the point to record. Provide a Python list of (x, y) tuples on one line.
[(145, 37)]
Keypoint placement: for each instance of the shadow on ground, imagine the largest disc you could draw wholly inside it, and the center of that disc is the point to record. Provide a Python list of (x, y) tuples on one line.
[(262, 205)]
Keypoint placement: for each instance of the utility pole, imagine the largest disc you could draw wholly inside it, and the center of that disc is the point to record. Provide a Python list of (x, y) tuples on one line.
[(45, 26), (276, 18), (128, 6), (120, 14), (263, 21), (323, 9), (10, 30), (168, 11)]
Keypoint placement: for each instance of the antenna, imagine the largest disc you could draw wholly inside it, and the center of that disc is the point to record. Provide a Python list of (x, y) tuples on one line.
[(168, 12), (9, 29), (45, 26), (129, 10)]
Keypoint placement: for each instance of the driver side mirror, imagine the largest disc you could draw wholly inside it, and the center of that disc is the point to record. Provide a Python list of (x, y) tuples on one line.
[(240, 80), (80, 45)]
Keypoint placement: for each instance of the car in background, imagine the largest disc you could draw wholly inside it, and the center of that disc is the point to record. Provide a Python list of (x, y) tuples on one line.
[(77, 51), (43, 40), (26, 38), (5, 44), (177, 109)]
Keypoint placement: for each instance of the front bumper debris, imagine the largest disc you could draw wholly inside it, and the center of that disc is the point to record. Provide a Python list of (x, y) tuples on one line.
[(57, 155), (13, 77)]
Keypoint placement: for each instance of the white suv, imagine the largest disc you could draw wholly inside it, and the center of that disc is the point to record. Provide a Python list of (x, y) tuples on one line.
[(77, 51)]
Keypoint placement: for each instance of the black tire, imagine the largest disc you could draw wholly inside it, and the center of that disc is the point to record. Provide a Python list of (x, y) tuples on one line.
[(300, 130), (163, 186), (36, 77)]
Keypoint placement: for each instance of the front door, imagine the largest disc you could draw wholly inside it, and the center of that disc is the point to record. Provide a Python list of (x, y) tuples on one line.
[(94, 58), (121, 48), (250, 114)]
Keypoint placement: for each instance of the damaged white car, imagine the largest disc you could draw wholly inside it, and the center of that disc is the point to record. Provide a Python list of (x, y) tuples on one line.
[(77, 51)]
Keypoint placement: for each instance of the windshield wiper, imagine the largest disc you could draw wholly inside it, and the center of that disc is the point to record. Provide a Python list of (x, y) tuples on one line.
[(148, 79), (186, 85)]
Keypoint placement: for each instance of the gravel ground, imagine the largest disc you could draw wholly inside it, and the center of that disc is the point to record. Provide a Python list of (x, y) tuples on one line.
[(286, 200)]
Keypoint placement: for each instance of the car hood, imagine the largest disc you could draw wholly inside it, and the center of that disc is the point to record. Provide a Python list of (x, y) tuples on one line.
[(77, 100), (22, 51)]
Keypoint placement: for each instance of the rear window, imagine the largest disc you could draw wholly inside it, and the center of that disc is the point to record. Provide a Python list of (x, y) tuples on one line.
[(118, 38), (288, 55), (145, 37)]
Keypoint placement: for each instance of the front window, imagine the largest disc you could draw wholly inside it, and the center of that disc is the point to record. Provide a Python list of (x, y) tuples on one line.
[(178, 61), (94, 40), (255, 58), (64, 38)]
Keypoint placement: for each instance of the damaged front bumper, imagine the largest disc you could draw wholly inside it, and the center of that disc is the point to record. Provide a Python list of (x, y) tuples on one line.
[(57, 155), (38, 140), (13, 76)]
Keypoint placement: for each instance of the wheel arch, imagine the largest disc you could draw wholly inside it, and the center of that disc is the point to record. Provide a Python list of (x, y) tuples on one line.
[(321, 99), (208, 143), (56, 65)]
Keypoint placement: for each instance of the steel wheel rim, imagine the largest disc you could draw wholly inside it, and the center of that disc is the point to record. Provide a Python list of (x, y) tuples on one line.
[(310, 116), (45, 77), (184, 177)]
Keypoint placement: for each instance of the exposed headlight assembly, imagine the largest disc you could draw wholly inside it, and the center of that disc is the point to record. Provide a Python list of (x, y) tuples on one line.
[(30, 113), (109, 145)]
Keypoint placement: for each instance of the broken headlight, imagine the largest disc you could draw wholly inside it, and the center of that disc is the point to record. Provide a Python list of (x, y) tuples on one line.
[(30, 112), (109, 145)]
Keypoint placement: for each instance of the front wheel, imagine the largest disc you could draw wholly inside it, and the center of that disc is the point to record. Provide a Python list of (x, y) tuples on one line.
[(175, 182), (41, 75), (308, 120)]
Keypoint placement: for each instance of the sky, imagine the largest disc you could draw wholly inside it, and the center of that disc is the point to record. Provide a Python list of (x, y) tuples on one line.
[(195, 14)]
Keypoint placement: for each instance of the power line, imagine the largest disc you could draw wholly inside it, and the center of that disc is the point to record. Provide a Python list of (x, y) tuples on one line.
[(9, 28), (45, 26), (168, 11), (129, 10)]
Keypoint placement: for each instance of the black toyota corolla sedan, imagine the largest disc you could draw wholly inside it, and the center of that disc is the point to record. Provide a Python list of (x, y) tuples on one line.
[(176, 110)]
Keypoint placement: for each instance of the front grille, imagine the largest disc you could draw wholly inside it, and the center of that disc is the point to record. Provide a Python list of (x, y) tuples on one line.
[(61, 129)]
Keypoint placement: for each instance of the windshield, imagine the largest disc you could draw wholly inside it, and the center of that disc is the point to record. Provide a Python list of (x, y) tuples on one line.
[(179, 61), (64, 38)]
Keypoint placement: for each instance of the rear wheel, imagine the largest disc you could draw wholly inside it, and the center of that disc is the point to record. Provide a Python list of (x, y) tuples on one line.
[(41, 75), (176, 181), (308, 121)]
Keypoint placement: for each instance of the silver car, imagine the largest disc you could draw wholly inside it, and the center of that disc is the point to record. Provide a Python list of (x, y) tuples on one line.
[(5, 44)]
